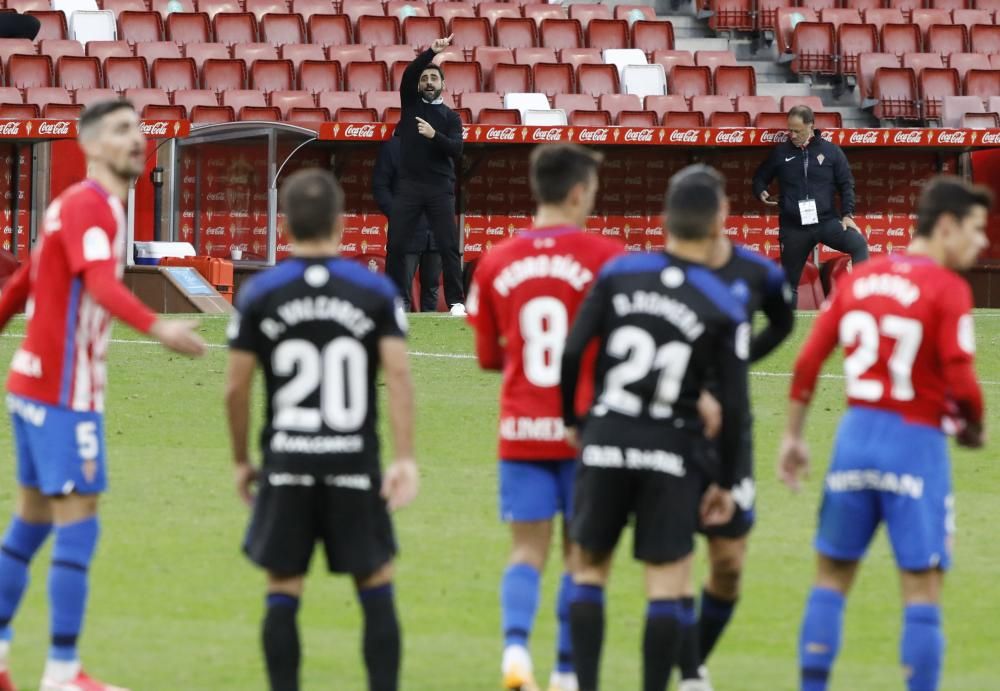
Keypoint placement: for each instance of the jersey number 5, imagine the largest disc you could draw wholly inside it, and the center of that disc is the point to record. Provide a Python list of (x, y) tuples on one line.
[(340, 372), (859, 328)]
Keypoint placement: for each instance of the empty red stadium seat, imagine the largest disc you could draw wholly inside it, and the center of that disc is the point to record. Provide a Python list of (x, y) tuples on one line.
[(753, 105), (573, 102), (615, 103), (335, 100), (661, 105), (56, 48), (200, 52), (209, 115), (377, 31), (540, 11), (356, 115), (141, 98), (78, 72), (125, 73), (706, 105), (258, 8), (946, 39), (489, 56), (462, 76), (898, 39), (307, 117), (406, 8), (40, 95), (867, 64), (936, 84), (670, 58), (818, 6), (222, 75), (235, 28), (165, 8), (553, 78), (366, 76), (423, 31), (634, 13), (14, 46), (852, 41), (813, 44), (214, 7), (969, 18), (985, 39), (286, 100), (636, 118), (689, 81), (382, 101), (494, 11), (119, 6), (318, 76), (52, 24), (734, 15), (155, 50), (737, 119), (560, 33), (171, 74), (597, 79), (905, 6), (330, 30), (25, 71), (682, 118), (918, 61), (880, 16), (994, 61), (241, 98), (585, 12), (63, 111), (813, 102), (87, 97), (18, 111), (735, 81), (300, 52), (714, 58), (840, 15), (259, 113), (102, 50), (926, 18), (138, 27), (396, 71), (391, 54), (347, 54), (160, 111), (608, 33), (581, 56), (252, 52), (829, 120), (949, 4), (788, 18), (307, 8), (589, 118), (280, 29), (982, 83), (355, 9), (652, 36), (469, 32), (533, 56), (510, 78), (771, 121), (195, 97), (446, 9), (895, 90), (476, 102), (963, 62)]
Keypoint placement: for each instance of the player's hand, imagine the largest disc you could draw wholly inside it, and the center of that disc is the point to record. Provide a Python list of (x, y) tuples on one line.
[(400, 483), (442, 43), (793, 462), (971, 435), (848, 222), (572, 437), (245, 476), (768, 199), (710, 411), (717, 506), (179, 336), (424, 128)]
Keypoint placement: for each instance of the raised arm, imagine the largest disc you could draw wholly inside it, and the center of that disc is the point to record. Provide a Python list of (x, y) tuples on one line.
[(408, 84)]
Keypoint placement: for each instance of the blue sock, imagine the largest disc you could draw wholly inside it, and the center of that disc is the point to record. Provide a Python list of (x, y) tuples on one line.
[(519, 602), (19, 546), (922, 648), (819, 639), (564, 652), (71, 555)]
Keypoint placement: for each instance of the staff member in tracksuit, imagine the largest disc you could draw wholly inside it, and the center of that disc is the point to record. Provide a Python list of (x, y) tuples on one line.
[(810, 171)]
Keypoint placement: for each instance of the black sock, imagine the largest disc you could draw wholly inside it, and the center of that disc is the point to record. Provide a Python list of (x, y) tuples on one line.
[(281, 642), (715, 615), (586, 621), (690, 658), (381, 638), (661, 643)]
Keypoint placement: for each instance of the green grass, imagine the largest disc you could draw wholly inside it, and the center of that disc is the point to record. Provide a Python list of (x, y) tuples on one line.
[(175, 606)]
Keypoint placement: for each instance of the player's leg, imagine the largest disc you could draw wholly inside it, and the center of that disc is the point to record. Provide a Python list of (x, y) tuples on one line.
[(440, 209), (922, 644), (797, 244), (563, 677), (667, 613), (381, 640), (835, 236), (407, 208), (280, 631), (586, 614), (430, 280), (823, 621)]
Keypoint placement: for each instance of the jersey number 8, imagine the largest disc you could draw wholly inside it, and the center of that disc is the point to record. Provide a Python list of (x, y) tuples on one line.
[(340, 372), (544, 324)]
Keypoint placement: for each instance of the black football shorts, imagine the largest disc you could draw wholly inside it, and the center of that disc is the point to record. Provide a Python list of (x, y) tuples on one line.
[(744, 489)]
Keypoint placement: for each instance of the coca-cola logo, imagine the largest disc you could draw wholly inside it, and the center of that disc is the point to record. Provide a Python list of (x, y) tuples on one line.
[(478, 247), (768, 137), (10, 128), (598, 135), (732, 231), (896, 232), (154, 129), (216, 197), (371, 230), (634, 181), (348, 247), (643, 135), (730, 136), (755, 246), (634, 247), (991, 138), (360, 131), (955, 137), (897, 166), (60, 128), (501, 134), (613, 231), (216, 230), (518, 181), (496, 197), (895, 199), (772, 231), (908, 137), (496, 230), (550, 134), (190, 179), (260, 230), (868, 137), (876, 248)]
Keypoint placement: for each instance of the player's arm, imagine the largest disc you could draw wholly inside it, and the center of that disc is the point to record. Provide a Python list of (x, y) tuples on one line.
[(14, 296), (482, 317), (779, 311), (586, 326), (734, 398), (957, 346), (401, 481), (239, 382)]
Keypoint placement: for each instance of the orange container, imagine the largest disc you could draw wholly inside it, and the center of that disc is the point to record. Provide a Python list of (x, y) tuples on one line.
[(218, 272)]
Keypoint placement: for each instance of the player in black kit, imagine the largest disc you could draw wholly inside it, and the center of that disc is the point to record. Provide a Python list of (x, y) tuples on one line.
[(761, 286), (321, 327), (667, 327)]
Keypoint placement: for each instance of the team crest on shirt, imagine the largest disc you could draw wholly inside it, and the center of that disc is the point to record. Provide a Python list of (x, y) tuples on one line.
[(821, 158)]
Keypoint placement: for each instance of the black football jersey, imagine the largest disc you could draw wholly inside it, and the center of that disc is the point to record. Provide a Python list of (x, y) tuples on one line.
[(666, 327), (315, 325)]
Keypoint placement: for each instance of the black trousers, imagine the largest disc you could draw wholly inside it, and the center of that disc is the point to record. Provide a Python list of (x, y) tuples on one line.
[(412, 200), (429, 264), (798, 242)]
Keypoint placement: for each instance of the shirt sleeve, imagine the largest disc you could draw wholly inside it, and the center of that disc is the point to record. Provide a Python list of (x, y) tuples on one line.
[(734, 396), (588, 324), (821, 342), (14, 296), (764, 174), (957, 347), (451, 141), (411, 78), (777, 307), (243, 332), (482, 317), (393, 322)]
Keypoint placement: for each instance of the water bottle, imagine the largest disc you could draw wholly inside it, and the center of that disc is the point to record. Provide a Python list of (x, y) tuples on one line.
[(174, 6)]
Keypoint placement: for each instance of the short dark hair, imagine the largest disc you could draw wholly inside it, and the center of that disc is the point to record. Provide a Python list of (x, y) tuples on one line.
[(436, 68), (947, 194), (312, 201), (694, 197), (803, 113), (96, 112), (557, 168)]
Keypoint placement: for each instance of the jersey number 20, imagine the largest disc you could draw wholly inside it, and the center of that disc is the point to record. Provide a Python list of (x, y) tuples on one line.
[(340, 371)]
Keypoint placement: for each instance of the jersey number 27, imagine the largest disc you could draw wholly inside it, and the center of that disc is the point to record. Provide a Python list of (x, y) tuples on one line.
[(860, 328)]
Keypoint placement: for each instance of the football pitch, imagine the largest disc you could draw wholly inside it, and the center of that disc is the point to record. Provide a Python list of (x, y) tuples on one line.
[(174, 605)]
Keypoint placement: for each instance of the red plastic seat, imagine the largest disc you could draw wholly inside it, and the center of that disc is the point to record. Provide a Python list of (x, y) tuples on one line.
[(382, 101), (963, 62), (733, 15), (18, 111), (906, 7), (141, 98), (125, 73), (355, 9), (78, 72), (356, 115), (252, 52), (585, 12), (753, 105), (366, 76), (570, 102), (671, 58), (307, 8), (447, 9), (982, 83), (223, 75), (195, 97), (771, 121), (348, 54), (610, 33), (852, 41), (423, 31), (985, 39), (936, 84), (241, 98), (63, 111), (171, 74), (690, 81), (14, 46), (616, 103), (767, 13), (330, 30), (540, 11), (512, 32), (493, 11), (813, 44), (462, 76), (200, 52), (919, 61), (561, 33), (156, 111), (736, 119), (56, 48), (969, 18), (52, 24), (272, 75), (981, 121), (899, 39), (815, 103), (926, 18), (25, 71), (489, 56), (683, 119), (164, 7), (396, 71), (119, 6), (818, 6), (391, 54), (139, 27), (214, 7), (788, 18), (597, 79), (663, 104), (88, 97), (946, 39), (895, 90), (476, 102), (210, 115), (335, 100), (307, 116), (867, 64), (636, 118), (189, 28), (949, 4), (840, 15), (581, 56), (300, 52), (154, 50), (589, 118), (880, 16), (533, 56), (634, 13), (286, 100), (281, 29), (318, 76), (40, 95), (652, 36), (735, 81), (234, 28), (553, 78), (706, 105), (102, 50), (829, 120), (258, 8), (714, 58), (511, 78)]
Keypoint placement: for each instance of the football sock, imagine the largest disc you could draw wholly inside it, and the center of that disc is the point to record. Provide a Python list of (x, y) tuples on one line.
[(19, 546), (71, 556), (280, 637), (586, 619), (690, 659), (922, 647), (715, 616), (819, 639), (381, 637), (518, 602), (661, 641), (564, 651)]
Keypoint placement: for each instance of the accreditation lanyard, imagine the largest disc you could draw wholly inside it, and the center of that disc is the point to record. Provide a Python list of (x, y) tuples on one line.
[(805, 167), (808, 214)]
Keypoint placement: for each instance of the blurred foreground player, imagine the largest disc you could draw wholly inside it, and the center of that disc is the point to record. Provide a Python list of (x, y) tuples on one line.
[(760, 285), (666, 326), (70, 287), (320, 326), (523, 298), (906, 327)]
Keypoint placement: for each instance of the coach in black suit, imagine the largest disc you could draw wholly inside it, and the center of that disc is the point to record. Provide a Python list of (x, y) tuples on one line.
[(431, 140)]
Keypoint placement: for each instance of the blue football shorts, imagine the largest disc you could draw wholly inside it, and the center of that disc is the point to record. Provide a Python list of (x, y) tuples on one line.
[(59, 451), (885, 469), (536, 490)]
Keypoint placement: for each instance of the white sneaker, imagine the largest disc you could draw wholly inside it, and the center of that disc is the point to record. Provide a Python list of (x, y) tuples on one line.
[(458, 310), (563, 681), (702, 684), (517, 670)]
